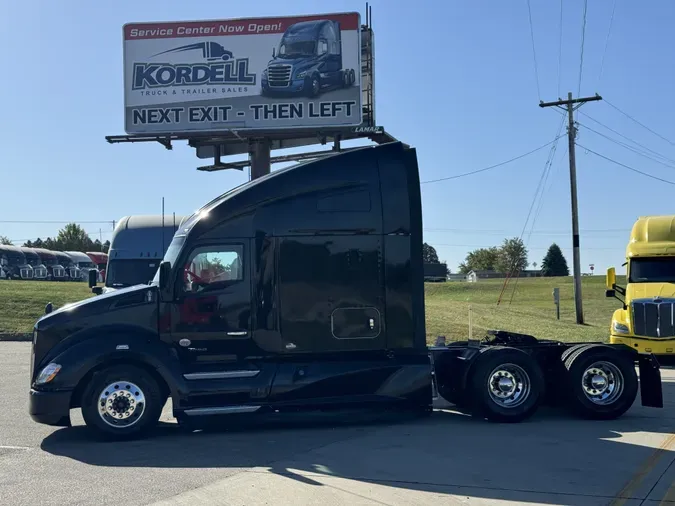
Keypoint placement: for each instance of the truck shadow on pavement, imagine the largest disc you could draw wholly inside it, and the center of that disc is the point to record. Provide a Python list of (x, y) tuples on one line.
[(551, 458)]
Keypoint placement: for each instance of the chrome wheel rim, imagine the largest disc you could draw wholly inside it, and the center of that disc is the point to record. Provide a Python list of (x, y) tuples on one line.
[(602, 383), (509, 385), (121, 404)]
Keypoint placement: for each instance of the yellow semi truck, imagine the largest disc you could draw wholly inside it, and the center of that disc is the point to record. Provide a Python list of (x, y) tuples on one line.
[(646, 322)]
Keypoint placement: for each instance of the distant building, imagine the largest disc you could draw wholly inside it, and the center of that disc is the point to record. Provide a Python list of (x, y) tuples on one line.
[(457, 277), (474, 276)]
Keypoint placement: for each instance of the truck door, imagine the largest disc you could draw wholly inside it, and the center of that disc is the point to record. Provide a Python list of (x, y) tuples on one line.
[(210, 316)]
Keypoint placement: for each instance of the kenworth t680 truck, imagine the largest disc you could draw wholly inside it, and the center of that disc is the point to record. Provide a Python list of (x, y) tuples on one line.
[(308, 61), (303, 290), (646, 322)]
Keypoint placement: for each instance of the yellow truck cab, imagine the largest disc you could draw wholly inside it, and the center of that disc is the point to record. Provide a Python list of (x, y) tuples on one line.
[(646, 322)]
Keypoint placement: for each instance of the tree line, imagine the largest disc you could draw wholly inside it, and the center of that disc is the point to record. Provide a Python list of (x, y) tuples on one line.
[(511, 257), (72, 237)]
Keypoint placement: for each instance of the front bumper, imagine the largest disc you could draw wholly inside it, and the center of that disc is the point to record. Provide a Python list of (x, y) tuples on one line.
[(50, 408), (661, 347), (295, 87)]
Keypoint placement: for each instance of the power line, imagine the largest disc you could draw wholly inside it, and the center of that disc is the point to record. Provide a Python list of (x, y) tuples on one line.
[(630, 148), (627, 166), (627, 138), (534, 53), (536, 232), (538, 248), (560, 44), (609, 31), (641, 124), (491, 166), (583, 40)]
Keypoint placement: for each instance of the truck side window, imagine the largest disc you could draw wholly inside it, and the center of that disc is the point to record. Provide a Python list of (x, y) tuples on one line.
[(323, 47), (213, 267)]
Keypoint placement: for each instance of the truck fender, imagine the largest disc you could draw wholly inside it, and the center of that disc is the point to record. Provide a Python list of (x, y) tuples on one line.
[(451, 370), (86, 357)]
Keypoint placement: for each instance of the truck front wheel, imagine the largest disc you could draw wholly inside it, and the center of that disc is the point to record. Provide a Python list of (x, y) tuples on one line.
[(314, 87), (505, 385), (601, 383), (122, 402)]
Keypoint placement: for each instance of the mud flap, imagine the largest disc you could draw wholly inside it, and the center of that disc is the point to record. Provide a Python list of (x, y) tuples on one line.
[(651, 390)]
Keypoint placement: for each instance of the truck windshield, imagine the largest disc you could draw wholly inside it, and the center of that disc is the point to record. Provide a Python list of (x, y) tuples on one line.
[(86, 265), (295, 48), (171, 253), (652, 270), (47, 260), (122, 273)]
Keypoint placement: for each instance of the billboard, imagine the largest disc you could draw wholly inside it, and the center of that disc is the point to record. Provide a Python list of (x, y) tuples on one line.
[(242, 74)]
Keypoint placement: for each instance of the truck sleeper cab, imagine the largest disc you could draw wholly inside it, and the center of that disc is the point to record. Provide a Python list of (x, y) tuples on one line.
[(55, 271), (301, 290), (13, 263), (308, 61), (137, 247), (70, 268), (83, 263), (33, 259)]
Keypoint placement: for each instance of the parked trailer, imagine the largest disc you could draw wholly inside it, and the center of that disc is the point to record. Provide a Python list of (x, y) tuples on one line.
[(13, 263), (33, 259), (313, 301), (435, 273)]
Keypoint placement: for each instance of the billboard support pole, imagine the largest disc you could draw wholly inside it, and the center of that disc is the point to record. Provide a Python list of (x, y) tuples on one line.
[(261, 155)]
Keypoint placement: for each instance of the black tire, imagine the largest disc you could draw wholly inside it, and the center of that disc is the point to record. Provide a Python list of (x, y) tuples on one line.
[(352, 77), (344, 78), (120, 378), (527, 389), (611, 399), (314, 88)]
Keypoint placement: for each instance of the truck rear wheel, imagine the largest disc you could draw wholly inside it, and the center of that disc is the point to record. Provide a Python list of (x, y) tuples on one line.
[(601, 382), (122, 402), (505, 385)]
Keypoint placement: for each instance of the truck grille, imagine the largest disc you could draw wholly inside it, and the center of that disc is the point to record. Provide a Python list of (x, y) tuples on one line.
[(74, 274), (58, 272), (26, 273), (279, 76), (654, 318), (40, 273)]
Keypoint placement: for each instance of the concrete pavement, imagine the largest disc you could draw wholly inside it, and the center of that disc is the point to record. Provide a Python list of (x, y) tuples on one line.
[(446, 459)]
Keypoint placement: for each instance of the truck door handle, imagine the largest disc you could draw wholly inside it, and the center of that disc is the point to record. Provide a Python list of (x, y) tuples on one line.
[(241, 333)]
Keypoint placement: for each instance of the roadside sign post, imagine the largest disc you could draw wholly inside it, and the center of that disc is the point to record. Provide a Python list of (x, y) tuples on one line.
[(556, 301)]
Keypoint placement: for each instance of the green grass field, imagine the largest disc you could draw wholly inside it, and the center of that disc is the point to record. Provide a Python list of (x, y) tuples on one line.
[(447, 307)]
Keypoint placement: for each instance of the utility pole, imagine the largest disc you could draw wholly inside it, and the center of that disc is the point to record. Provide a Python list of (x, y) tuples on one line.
[(569, 106)]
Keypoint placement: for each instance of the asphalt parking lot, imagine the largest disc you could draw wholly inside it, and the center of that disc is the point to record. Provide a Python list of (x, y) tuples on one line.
[(446, 459)]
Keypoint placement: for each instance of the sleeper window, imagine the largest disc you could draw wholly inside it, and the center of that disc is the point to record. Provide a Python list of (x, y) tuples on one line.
[(213, 267)]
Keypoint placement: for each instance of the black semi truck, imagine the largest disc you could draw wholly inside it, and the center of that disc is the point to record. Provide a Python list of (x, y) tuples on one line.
[(308, 61), (303, 290)]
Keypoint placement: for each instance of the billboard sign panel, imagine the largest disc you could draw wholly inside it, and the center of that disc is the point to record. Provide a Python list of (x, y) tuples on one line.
[(243, 74)]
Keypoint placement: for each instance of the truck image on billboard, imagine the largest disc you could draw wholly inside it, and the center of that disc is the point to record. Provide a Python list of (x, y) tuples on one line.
[(257, 74)]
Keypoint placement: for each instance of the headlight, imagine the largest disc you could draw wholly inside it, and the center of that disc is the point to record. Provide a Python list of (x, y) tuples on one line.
[(620, 328), (264, 74), (48, 374), (301, 75)]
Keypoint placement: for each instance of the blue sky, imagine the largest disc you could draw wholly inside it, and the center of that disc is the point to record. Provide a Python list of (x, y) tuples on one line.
[(454, 79)]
